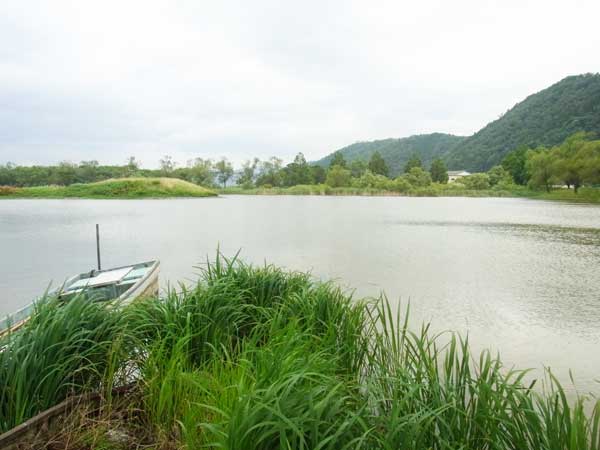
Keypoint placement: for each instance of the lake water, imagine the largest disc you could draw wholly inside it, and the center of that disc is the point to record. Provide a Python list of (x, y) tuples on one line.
[(522, 277)]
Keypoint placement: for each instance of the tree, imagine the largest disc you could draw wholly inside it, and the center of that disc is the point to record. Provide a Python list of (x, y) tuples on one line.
[(337, 176), (224, 170), (514, 164), (270, 172), (88, 171), (297, 172), (571, 160), (246, 178), (358, 168), (132, 165), (337, 160), (200, 171), (414, 161), (318, 174), (377, 164), (167, 165), (499, 175), (439, 172), (477, 181), (65, 174), (541, 166), (417, 177)]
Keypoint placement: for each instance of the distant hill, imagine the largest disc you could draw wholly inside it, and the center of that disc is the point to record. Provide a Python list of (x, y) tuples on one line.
[(544, 118), (397, 152)]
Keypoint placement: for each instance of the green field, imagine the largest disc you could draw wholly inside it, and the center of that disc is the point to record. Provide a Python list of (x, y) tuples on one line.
[(260, 358), (129, 188)]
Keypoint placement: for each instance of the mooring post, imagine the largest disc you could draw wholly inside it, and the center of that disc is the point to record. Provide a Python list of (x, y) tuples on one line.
[(98, 245)]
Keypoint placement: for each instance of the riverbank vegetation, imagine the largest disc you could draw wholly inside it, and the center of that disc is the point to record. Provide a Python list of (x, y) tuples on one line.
[(122, 188), (259, 358), (550, 173)]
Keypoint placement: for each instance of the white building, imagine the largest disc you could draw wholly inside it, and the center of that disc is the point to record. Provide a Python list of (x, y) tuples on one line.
[(454, 175)]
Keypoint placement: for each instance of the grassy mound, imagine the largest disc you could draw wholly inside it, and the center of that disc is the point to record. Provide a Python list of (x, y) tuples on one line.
[(113, 188), (260, 358)]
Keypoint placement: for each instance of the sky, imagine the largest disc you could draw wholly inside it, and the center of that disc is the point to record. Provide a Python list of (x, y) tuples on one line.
[(104, 80)]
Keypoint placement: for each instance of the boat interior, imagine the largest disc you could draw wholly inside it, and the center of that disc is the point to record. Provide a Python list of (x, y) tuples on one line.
[(106, 284)]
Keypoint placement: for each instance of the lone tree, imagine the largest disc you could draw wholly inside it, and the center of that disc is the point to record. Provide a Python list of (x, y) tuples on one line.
[(337, 160), (167, 165), (439, 172), (224, 170), (377, 165), (414, 161)]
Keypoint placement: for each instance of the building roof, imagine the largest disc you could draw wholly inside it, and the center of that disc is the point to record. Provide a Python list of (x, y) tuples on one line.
[(455, 173)]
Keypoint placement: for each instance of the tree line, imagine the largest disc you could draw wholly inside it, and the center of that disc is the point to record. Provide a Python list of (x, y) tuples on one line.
[(574, 163)]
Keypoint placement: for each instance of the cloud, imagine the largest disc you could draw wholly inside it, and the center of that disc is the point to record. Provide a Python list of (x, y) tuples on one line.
[(104, 80)]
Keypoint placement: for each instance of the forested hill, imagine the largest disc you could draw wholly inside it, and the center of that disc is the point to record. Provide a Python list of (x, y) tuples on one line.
[(545, 118), (396, 152)]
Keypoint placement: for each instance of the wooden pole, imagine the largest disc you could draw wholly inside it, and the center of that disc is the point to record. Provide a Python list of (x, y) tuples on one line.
[(98, 245)]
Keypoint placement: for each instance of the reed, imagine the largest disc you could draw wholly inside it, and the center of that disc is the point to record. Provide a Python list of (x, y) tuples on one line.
[(260, 358), (63, 350)]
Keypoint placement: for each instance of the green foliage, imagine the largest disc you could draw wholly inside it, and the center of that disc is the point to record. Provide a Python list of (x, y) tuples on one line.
[(337, 160), (396, 152), (515, 164), (337, 176), (297, 172), (121, 188), (198, 171), (358, 167), (546, 118), (417, 177), (413, 162), (377, 164), (499, 175), (318, 174), (260, 358), (224, 170), (62, 350), (575, 162), (270, 172), (167, 165), (476, 181), (439, 172)]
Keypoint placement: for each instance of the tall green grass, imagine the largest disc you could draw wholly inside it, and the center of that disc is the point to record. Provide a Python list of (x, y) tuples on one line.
[(63, 350), (260, 358)]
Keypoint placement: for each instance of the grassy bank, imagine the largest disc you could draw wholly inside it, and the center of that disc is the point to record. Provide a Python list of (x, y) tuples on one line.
[(585, 195), (260, 358), (115, 188)]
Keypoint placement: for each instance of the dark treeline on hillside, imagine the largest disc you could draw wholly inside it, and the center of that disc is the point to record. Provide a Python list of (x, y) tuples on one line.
[(545, 118)]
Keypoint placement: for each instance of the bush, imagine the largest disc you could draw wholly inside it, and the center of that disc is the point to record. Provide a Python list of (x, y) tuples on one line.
[(417, 177), (477, 181)]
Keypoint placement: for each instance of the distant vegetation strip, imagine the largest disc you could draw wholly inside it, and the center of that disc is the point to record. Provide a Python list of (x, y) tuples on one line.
[(261, 358), (585, 195), (129, 188)]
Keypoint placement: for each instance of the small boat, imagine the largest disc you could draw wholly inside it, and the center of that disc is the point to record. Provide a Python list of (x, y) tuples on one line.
[(124, 284)]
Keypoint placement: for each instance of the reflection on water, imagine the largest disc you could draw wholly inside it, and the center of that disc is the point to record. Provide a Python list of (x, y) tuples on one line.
[(520, 276)]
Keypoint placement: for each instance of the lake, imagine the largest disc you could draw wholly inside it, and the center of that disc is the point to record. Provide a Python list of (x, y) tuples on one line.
[(522, 277)]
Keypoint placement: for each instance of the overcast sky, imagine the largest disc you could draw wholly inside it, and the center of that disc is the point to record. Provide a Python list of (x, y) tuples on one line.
[(103, 80)]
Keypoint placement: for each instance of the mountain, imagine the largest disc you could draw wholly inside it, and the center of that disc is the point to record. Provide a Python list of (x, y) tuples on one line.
[(396, 152), (544, 118)]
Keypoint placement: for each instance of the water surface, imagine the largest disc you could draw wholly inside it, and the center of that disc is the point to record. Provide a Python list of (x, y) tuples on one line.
[(520, 276)]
